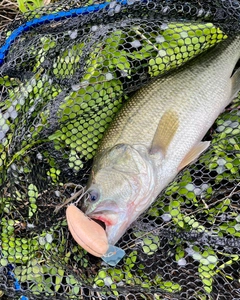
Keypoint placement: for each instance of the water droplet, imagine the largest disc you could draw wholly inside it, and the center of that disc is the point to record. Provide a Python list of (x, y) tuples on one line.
[(197, 256), (223, 217), (31, 109), (117, 8), (124, 23), (190, 187), (166, 217), (39, 156), (136, 44), (84, 84), (189, 251), (14, 167), (238, 218), (130, 2), (6, 115), (13, 114), (160, 39), (57, 193), (221, 162), (124, 73), (197, 191), (162, 53), (184, 34), (108, 281), (227, 123), (166, 9), (5, 128), (220, 128), (182, 262), (94, 28), (76, 87), (2, 121), (234, 124), (111, 12), (212, 259), (200, 12), (208, 13), (30, 225), (220, 169), (2, 135), (11, 108), (112, 4), (73, 34), (42, 240), (21, 100), (49, 238), (164, 26), (237, 227), (109, 76), (204, 186)]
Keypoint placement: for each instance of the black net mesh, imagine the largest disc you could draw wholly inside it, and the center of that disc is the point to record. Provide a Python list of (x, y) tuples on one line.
[(62, 80)]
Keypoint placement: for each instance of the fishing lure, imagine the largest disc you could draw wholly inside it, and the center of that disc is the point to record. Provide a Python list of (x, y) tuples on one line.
[(91, 236)]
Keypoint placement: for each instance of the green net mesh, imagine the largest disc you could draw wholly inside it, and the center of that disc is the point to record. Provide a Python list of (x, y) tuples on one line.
[(61, 83)]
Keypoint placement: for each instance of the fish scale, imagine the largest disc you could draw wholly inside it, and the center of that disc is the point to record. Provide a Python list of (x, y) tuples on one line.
[(158, 132), (148, 104)]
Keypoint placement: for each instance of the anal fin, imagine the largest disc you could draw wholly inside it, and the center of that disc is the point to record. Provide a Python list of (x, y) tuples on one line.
[(235, 83), (193, 154)]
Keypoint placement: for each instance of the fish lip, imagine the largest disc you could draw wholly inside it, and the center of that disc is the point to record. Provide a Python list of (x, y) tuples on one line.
[(113, 223), (113, 216), (112, 209), (109, 218)]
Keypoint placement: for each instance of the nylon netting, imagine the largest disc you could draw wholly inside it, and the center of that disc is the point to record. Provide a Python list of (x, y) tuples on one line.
[(62, 80)]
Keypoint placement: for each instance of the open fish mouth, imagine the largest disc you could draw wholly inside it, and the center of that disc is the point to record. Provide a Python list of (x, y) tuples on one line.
[(108, 218), (101, 223), (105, 214), (114, 224)]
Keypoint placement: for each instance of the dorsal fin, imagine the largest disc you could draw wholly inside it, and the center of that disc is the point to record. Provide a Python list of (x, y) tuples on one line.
[(165, 132)]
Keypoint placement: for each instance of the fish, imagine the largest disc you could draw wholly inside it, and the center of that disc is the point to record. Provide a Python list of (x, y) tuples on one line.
[(157, 133)]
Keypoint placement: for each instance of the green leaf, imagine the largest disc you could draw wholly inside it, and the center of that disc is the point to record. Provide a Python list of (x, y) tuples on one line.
[(56, 135)]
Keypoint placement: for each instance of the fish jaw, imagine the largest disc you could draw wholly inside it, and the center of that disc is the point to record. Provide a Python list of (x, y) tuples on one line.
[(106, 212), (114, 217), (116, 224)]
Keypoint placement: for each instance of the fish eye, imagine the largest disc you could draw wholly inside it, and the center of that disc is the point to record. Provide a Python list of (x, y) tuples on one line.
[(93, 195)]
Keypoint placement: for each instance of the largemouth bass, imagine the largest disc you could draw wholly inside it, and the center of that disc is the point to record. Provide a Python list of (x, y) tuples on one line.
[(157, 133)]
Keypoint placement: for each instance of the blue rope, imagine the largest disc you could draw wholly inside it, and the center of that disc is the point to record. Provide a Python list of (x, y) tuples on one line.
[(16, 282), (49, 18)]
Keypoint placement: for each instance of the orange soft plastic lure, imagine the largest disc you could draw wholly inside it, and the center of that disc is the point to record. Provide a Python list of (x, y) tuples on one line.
[(86, 232), (91, 236)]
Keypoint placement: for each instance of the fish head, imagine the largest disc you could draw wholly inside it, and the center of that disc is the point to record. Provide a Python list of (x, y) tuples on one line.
[(118, 189)]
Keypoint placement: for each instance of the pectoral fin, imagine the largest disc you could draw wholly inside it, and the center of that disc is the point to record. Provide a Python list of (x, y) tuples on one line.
[(165, 132), (235, 83), (193, 154)]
